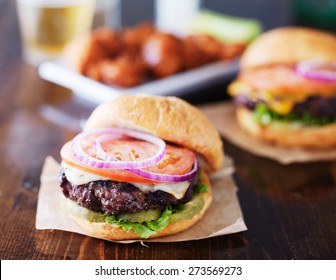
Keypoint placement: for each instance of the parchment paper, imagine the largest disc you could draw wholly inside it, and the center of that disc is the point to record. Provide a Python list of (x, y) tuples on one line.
[(223, 217), (223, 117)]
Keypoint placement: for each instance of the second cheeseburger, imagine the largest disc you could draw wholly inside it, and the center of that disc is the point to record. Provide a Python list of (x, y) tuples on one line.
[(136, 170), (286, 90)]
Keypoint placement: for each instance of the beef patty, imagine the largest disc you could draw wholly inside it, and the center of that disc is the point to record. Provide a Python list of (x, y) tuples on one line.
[(319, 107), (114, 198)]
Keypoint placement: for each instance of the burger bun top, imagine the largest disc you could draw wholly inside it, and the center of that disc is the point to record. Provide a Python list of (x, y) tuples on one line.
[(170, 118), (289, 45)]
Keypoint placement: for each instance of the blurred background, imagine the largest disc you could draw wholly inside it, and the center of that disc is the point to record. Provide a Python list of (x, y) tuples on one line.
[(129, 13), (271, 13), (274, 13)]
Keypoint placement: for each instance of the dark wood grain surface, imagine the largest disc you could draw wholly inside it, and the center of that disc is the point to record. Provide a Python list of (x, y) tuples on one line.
[(290, 211)]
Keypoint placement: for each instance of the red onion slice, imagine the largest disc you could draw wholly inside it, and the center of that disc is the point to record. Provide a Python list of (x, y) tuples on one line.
[(136, 164), (317, 70), (107, 161), (103, 160), (165, 177)]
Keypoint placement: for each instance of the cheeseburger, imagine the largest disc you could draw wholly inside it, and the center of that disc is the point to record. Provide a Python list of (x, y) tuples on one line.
[(286, 90), (139, 168)]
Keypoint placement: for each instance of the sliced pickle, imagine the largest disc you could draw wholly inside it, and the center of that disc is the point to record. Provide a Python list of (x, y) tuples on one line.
[(81, 212), (143, 216), (191, 209)]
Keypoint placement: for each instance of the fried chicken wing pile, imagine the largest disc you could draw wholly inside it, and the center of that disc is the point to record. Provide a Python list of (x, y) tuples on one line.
[(128, 57)]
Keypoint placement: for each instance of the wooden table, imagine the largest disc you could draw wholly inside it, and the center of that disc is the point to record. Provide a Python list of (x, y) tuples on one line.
[(290, 211)]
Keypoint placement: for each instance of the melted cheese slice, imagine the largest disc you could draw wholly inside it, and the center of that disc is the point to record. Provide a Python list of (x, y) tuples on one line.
[(279, 104), (78, 177)]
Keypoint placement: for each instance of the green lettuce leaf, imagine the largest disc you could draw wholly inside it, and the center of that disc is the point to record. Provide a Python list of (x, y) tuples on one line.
[(265, 116), (148, 228), (145, 229)]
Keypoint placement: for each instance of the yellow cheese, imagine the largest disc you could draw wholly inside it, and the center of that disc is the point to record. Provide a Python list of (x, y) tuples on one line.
[(279, 104), (176, 189), (78, 177)]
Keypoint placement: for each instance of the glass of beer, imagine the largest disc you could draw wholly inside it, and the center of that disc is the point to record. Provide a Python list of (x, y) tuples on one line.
[(48, 25)]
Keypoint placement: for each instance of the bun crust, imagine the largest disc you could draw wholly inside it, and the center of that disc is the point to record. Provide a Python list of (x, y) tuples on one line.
[(111, 232), (289, 45), (169, 118), (309, 137)]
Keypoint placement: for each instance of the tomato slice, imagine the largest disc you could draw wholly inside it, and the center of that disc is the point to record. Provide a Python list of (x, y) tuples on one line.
[(283, 79), (177, 160)]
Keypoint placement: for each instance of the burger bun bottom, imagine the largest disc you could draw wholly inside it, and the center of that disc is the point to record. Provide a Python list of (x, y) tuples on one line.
[(317, 137)]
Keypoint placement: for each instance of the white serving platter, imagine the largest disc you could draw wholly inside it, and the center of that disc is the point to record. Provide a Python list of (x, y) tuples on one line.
[(176, 85)]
